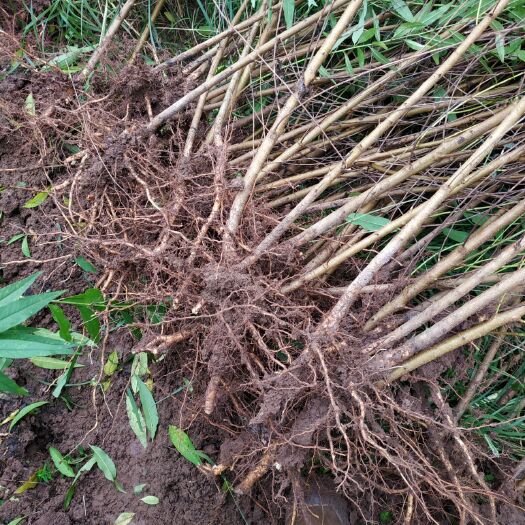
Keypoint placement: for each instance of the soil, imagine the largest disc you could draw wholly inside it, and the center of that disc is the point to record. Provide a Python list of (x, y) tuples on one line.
[(185, 494), (183, 491)]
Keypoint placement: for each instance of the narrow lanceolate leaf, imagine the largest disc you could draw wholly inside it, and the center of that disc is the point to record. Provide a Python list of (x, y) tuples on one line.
[(9, 385), (64, 326), (91, 322), (14, 291), (91, 297), (368, 221), (37, 200), (64, 379), (23, 342), (401, 8), (182, 442), (149, 407), (52, 363), (17, 312), (85, 265), (136, 420), (104, 463), (25, 247), (86, 467), (62, 466), (31, 483), (16, 521), (289, 11), (26, 410)]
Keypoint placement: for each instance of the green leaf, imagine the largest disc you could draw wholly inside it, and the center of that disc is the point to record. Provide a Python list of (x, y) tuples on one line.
[(402, 9), (111, 364), (91, 297), (382, 59), (124, 518), (86, 467), (85, 265), (368, 221), (137, 489), (91, 322), (360, 57), (139, 367), (52, 363), (69, 496), (61, 465), (15, 313), (15, 238), (105, 463), (289, 11), (30, 105), (14, 291), (25, 247), (23, 342), (456, 235), (37, 200), (348, 65), (9, 385), (16, 521), (64, 326), (412, 44), (150, 500), (136, 420), (182, 442), (26, 410), (64, 379), (500, 47), (149, 407), (359, 29), (4, 362)]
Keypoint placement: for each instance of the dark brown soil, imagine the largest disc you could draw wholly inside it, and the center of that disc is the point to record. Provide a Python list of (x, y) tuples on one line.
[(186, 495)]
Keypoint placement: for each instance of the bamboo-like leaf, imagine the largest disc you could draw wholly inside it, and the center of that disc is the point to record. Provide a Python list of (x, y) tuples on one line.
[(104, 463), (91, 322), (15, 313), (182, 442), (85, 265), (25, 247), (23, 342), (149, 408), (62, 466), (37, 200), (14, 291), (289, 12), (64, 326), (9, 385), (52, 363), (136, 420), (26, 410), (64, 379), (368, 221), (86, 467)]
